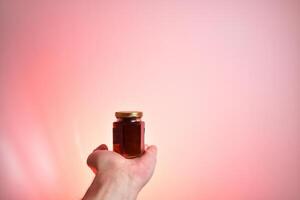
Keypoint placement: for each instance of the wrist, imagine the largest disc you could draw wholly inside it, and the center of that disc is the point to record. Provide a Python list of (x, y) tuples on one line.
[(111, 186)]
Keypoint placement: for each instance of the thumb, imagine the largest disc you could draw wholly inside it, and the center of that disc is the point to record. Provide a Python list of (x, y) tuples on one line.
[(101, 147)]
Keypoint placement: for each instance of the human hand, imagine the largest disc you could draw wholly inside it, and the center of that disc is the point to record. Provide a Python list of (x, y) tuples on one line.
[(117, 177)]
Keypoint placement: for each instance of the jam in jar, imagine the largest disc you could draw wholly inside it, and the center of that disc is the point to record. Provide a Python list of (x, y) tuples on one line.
[(128, 134)]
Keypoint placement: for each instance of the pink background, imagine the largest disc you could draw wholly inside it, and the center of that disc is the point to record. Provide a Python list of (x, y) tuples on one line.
[(218, 81)]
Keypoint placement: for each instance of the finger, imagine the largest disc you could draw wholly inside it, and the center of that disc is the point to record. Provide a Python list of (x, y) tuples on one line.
[(146, 146), (101, 147), (149, 155), (151, 149)]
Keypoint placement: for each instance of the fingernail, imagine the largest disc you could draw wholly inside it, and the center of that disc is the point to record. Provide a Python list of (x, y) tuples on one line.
[(101, 147)]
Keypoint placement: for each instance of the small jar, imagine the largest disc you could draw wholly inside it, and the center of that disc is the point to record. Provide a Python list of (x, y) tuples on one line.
[(128, 134)]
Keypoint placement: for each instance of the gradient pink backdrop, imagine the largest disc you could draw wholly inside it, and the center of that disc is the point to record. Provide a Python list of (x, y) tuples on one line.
[(218, 81)]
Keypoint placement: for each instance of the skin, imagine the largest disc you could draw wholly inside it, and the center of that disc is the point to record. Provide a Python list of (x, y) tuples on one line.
[(118, 178)]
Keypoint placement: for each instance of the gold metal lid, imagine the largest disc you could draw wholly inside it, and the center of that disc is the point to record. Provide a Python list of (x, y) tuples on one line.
[(128, 114)]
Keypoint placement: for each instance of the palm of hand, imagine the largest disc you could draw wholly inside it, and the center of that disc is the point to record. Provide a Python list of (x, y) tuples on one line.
[(136, 172)]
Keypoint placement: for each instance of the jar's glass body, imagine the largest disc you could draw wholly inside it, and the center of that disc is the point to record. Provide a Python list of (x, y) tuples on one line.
[(128, 137)]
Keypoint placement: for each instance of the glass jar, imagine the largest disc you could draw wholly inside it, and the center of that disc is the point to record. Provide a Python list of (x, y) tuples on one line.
[(128, 134)]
